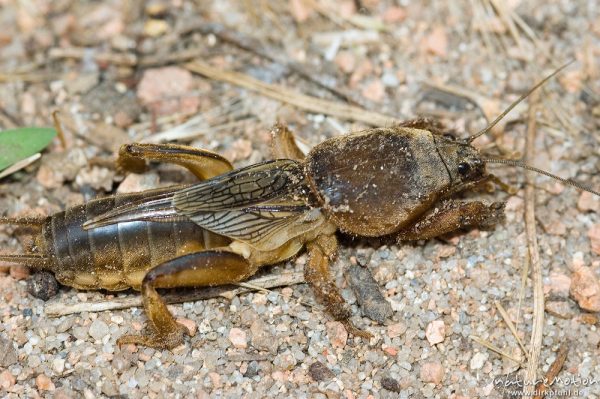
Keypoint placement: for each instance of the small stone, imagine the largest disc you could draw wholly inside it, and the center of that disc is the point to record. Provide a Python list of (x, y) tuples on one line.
[(436, 42), (238, 338), (189, 324), (155, 27), (374, 91), (558, 284), (585, 288), (44, 383), (368, 293), (261, 338), (8, 354), (95, 177), (160, 88), (319, 372), (432, 372), (394, 14), (435, 332), (19, 272), (300, 10), (42, 285), (7, 380), (396, 330), (588, 202), (560, 309), (478, 360), (556, 228), (134, 183), (337, 334), (391, 384), (240, 149), (594, 235), (391, 351), (48, 177), (98, 329), (346, 61), (58, 365)]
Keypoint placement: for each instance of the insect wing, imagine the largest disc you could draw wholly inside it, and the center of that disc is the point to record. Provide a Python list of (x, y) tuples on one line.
[(248, 204)]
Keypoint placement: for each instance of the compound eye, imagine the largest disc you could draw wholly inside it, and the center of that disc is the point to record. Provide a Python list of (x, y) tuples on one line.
[(449, 136), (463, 168)]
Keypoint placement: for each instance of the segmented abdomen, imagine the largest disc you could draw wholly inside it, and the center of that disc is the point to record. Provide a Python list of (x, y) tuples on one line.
[(117, 257)]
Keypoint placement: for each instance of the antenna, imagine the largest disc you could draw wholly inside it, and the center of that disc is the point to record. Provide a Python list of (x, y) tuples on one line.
[(514, 104), (523, 165)]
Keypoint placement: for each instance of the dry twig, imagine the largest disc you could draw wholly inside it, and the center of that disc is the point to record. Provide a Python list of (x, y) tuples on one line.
[(283, 94), (98, 56), (534, 255), (511, 326), (553, 371), (57, 309), (494, 348), (253, 46)]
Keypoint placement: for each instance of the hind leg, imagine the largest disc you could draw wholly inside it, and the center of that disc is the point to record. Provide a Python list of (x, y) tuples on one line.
[(203, 164), (200, 269)]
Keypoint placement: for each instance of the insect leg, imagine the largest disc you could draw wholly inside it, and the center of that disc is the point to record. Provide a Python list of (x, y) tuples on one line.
[(199, 269), (452, 215), (316, 273), (283, 144), (203, 164)]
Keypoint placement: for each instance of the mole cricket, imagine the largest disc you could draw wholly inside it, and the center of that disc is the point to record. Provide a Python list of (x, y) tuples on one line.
[(397, 181)]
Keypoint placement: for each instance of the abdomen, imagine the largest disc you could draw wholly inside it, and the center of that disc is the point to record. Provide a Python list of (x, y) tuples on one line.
[(117, 257)]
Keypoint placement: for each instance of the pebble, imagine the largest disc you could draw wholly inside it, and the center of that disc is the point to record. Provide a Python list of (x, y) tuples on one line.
[(319, 372), (95, 177), (588, 202), (44, 383), (558, 284), (394, 14), (42, 285), (337, 334), (98, 329), (435, 332), (368, 294), (396, 330), (594, 235), (261, 338), (391, 384), (7, 380), (238, 338), (58, 365), (432, 372), (478, 360), (585, 288), (346, 61), (436, 42), (189, 324), (374, 91), (19, 272), (155, 27), (8, 355), (161, 87), (134, 182)]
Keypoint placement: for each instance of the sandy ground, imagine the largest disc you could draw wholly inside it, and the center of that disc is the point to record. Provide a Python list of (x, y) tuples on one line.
[(116, 72)]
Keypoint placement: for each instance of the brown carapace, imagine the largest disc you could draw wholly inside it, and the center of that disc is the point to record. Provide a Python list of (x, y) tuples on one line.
[(395, 181)]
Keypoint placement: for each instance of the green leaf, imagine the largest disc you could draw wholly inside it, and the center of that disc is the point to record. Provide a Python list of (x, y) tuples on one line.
[(18, 144)]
